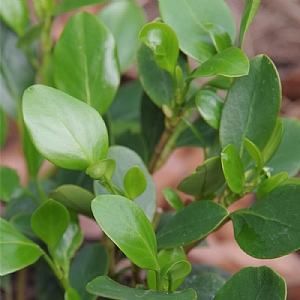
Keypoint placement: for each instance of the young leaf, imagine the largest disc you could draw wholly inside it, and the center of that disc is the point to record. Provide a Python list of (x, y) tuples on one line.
[(255, 154), (191, 224), (104, 167), (67, 5), (272, 224), (9, 182), (173, 198), (260, 283), (210, 106), (106, 287), (233, 169), (3, 127), (162, 40), (219, 36), (135, 182), (188, 20), (249, 13), (17, 251), (127, 226), (231, 62), (77, 136), (85, 62), (49, 222), (116, 16), (257, 93)]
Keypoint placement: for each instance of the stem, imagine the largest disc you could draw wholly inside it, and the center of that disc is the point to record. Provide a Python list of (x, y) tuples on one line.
[(41, 191), (110, 247), (158, 280)]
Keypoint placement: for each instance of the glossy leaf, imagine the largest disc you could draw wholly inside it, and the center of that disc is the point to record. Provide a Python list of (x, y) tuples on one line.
[(231, 62), (77, 136), (188, 20), (15, 14), (287, 156), (85, 62), (255, 93), (67, 5), (162, 41), (249, 13), (90, 261), (49, 222), (74, 198), (210, 106), (9, 182), (221, 39), (101, 168), (106, 287), (233, 169), (17, 251), (127, 226), (191, 224), (126, 159), (261, 283), (272, 224), (173, 198), (255, 154), (135, 182), (121, 18), (207, 178), (220, 82), (3, 127)]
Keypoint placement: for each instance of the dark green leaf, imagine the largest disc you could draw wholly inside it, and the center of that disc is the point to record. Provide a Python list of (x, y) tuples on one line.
[(244, 113), (191, 224), (9, 182), (67, 5), (122, 18), (221, 39), (132, 233), (270, 228), (188, 20), (3, 127), (17, 251), (91, 261), (220, 82), (85, 62), (135, 182), (260, 283), (21, 221), (173, 198), (77, 136), (106, 287)]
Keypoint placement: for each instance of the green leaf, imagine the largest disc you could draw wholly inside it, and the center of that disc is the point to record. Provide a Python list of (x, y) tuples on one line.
[(74, 198), (49, 222), (126, 159), (220, 82), (188, 20), (21, 221), (90, 261), (132, 233), (255, 154), (210, 106), (191, 224), (221, 39), (85, 62), (135, 182), (77, 136), (207, 178), (71, 294), (67, 5), (173, 198), (15, 14), (270, 228), (3, 127), (106, 287), (104, 167), (231, 62), (162, 41), (255, 93), (17, 251), (260, 283), (249, 13), (287, 156), (30, 36), (10, 184), (233, 169), (122, 18)]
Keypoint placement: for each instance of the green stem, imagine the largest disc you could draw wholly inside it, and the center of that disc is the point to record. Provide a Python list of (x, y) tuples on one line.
[(110, 247), (40, 189), (158, 280)]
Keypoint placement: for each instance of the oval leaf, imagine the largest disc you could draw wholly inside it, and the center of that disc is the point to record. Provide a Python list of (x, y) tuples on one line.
[(77, 136), (10, 184), (173, 198), (219, 36), (135, 182), (85, 62), (255, 154), (126, 225)]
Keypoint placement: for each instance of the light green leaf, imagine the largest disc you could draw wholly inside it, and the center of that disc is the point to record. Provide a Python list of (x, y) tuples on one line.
[(127, 226), (71, 294), (188, 20), (9, 182), (135, 182), (85, 62), (231, 62), (219, 36), (270, 228), (255, 154), (106, 287), (49, 222), (255, 93), (104, 167), (77, 136), (260, 283), (173, 198), (17, 251), (191, 224), (67, 5), (30, 36), (233, 169), (220, 82), (122, 18)]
